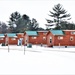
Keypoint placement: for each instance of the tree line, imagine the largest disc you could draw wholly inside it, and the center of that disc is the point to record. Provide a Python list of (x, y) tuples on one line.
[(59, 19), (19, 23)]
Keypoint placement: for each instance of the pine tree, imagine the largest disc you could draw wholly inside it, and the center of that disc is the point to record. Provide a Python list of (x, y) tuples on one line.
[(59, 14)]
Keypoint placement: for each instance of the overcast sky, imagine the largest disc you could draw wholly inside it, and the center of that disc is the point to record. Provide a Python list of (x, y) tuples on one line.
[(38, 9)]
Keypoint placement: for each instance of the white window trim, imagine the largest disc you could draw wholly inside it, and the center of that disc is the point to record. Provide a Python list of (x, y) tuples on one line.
[(60, 37), (71, 38), (73, 32), (44, 38), (34, 37), (50, 37), (13, 38)]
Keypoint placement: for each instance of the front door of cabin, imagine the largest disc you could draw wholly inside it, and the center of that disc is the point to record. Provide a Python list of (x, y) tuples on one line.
[(50, 41), (20, 41)]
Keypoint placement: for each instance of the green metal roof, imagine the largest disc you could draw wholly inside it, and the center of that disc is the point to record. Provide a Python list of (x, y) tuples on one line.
[(11, 34), (31, 33), (57, 32), (1, 34)]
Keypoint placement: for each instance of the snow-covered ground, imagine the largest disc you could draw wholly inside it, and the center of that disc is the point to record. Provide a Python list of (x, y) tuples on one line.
[(37, 60)]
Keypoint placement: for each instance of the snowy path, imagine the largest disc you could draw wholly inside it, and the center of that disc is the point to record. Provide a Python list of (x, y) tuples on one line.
[(37, 60)]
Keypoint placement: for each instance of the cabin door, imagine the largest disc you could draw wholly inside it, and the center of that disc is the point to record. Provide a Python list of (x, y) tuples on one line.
[(50, 41), (20, 41)]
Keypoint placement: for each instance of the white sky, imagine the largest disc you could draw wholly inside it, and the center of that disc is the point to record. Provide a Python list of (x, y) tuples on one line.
[(38, 9)]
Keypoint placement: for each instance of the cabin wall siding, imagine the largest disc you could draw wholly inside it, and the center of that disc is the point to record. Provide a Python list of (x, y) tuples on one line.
[(63, 42), (39, 39)]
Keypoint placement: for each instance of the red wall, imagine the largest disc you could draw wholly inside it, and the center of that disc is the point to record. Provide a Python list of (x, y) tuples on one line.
[(2, 41), (15, 42), (20, 35), (67, 37), (63, 42), (39, 38), (48, 39)]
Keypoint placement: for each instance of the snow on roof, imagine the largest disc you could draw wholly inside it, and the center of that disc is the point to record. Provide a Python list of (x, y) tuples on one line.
[(57, 32)]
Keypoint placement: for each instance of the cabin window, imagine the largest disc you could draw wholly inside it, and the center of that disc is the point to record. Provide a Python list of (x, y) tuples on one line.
[(50, 39), (71, 38), (13, 38), (1, 38), (72, 32), (60, 37), (21, 38), (33, 37), (44, 38), (25, 40)]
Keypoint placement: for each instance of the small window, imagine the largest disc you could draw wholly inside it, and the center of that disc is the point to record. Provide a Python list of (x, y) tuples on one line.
[(21, 38), (72, 32), (50, 37), (13, 38), (60, 37), (25, 40), (33, 37), (71, 38), (50, 40), (1, 38), (44, 38)]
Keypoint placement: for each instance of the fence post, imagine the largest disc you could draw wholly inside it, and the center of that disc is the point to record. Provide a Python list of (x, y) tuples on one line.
[(24, 49), (8, 47), (59, 45)]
